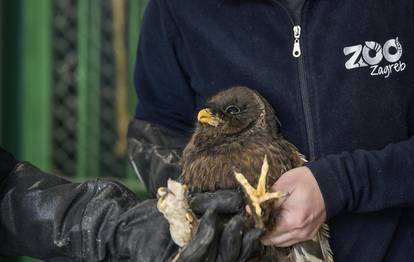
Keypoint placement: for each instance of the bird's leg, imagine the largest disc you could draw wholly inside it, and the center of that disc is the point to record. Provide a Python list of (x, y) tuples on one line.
[(259, 195), (173, 204)]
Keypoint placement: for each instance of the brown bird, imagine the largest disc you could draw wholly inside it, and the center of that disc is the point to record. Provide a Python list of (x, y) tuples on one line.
[(236, 144)]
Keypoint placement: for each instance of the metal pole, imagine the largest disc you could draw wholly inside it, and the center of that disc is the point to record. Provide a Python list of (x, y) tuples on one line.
[(36, 84), (134, 24), (11, 78), (121, 73), (1, 72), (89, 38)]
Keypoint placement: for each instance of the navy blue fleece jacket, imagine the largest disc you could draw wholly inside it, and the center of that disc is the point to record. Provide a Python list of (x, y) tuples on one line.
[(347, 102)]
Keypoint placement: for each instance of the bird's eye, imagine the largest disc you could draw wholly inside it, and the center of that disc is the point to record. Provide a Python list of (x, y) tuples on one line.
[(232, 109)]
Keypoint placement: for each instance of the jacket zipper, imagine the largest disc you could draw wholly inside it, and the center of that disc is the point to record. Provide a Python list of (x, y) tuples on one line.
[(306, 108), (297, 53)]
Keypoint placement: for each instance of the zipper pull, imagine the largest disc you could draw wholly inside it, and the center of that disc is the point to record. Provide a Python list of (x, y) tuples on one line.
[(296, 45)]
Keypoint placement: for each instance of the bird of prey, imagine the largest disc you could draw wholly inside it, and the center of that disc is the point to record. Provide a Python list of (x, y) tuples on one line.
[(237, 144)]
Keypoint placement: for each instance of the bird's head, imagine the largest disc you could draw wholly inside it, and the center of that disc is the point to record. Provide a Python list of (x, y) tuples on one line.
[(234, 112)]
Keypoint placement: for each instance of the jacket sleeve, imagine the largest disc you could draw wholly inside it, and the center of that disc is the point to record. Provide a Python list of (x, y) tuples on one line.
[(162, 83), (166, 103), (365, 181), (155, 153)]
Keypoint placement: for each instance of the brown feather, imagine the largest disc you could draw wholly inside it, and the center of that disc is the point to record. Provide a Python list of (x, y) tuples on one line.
[(240, 142)]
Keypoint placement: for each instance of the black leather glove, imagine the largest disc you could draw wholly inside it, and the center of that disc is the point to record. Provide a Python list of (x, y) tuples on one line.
[(155, 153), (47, 217), (50, 218), (149, 239), (236, 242)]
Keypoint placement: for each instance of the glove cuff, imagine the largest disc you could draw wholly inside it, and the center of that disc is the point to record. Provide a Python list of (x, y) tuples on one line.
[(7, 164), (101, 217)]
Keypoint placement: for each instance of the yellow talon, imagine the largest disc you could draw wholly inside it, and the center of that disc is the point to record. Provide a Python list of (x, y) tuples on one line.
[(185, 188), (162, 191), (189, 217), (261, 185), (162, 203), (258, 196)]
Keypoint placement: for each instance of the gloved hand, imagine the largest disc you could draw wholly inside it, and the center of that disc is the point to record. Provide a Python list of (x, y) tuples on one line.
[(236, 241), (212, 242), (155, 153), (48, 217)]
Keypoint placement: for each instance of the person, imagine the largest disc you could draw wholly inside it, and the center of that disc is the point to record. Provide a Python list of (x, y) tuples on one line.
[(339, 75), (53, 219)]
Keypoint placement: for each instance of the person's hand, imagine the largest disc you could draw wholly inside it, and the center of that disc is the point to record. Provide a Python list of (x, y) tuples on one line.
[(302, 212), (102, 220), (235, 242), (143, 233)]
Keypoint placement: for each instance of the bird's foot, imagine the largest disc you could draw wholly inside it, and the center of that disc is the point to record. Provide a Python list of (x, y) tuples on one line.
[(173, 204), (257, 196)]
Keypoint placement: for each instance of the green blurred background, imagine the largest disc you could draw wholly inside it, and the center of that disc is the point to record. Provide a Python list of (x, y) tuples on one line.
[(66, 89)]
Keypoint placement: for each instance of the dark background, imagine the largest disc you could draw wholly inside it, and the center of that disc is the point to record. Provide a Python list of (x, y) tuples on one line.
[(63, 106)]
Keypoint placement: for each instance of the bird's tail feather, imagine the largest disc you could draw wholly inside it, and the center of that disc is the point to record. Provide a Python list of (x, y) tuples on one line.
[(316, 250)]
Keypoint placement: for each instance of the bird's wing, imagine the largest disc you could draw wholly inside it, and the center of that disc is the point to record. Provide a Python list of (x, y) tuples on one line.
[(323, 237), (316, 250)]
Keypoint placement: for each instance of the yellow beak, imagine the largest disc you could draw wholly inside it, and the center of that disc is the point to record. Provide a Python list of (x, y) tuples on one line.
[(206, 117)]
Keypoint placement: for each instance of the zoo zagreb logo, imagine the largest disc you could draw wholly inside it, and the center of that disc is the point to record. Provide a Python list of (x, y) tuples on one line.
[(373, 53)]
